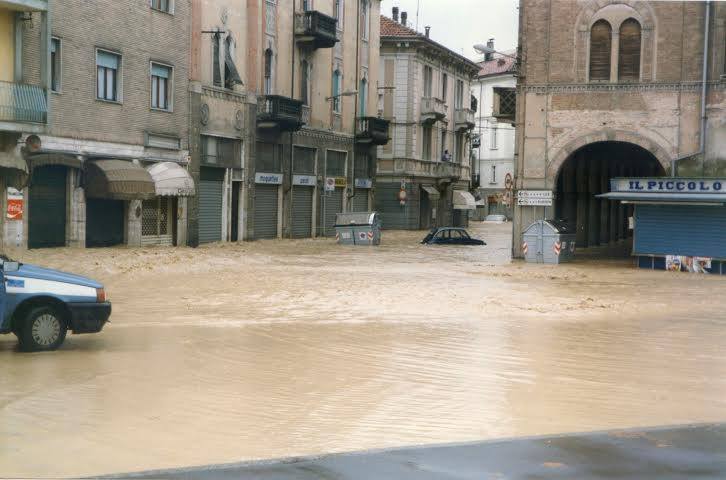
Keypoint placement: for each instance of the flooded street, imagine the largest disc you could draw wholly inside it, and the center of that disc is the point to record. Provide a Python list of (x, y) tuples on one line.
[(281, 348)]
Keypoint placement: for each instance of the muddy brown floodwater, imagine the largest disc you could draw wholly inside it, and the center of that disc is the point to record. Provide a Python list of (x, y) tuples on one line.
[(280, 348)]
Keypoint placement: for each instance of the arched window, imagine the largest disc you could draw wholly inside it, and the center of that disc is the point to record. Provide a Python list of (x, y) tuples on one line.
[(600, 48), (362, 97), (364, 24), (305, 71), (629, 55), (268, 71), (336, 90)]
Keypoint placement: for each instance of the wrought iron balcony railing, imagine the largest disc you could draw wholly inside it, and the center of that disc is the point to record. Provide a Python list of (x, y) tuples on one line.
[(432, 109), (278, 111), (372, 130), (315, 29), (464, 118)]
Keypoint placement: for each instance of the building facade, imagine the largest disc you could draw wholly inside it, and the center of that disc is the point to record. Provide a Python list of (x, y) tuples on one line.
[(494, 156), (299, 127), (109, 167), (615, 88), (424, 173)]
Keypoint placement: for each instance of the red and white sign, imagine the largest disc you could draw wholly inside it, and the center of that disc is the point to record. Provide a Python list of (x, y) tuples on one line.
[(15, 204), (557, 247), (524, 248)]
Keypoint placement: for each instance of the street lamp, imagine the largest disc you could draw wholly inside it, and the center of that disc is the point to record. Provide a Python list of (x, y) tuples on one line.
[(484, 49), (349, 93)]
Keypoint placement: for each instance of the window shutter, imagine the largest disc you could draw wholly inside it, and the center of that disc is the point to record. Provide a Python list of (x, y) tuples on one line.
[(600, 48), (108, 60), (629, 56), (160, 70)]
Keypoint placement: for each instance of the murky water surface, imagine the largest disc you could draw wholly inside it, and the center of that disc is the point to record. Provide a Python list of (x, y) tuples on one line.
[(272, 349)]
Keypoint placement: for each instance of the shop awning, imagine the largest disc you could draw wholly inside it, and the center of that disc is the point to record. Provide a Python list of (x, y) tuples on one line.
[(432, 191), (171, 179), (13, 168), (55, 158), (667, 198), (118, 180), (464, 200)]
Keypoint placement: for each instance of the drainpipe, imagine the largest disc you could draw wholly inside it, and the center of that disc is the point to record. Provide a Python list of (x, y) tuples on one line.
[(357, 98), (704, 86), (287, 189)]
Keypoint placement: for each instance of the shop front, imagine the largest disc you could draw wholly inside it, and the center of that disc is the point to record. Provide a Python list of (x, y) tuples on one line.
[(679, 224), (161, 224), (114, 192), (333, 200), (304, 187)]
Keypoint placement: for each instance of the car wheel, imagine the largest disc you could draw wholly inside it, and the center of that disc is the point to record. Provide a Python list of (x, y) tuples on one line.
[(42, 329)]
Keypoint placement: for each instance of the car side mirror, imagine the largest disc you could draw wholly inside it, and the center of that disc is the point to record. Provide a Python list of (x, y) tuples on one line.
[(10, 267)]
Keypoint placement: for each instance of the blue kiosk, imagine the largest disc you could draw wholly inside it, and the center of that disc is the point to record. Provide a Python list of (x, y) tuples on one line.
[(679, 223)]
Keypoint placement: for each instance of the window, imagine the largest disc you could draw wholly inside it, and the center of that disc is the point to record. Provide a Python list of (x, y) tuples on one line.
[(600, 50), (459, 100), (268, 71), (55, 65), (223, 152), (107, 78), (231, 75), (161, 83), (364, 23), (444, 149), (428, 74), (268, 157), (444, 86), (307, 5), (304, 87), (335, 163), (460, 147), (363, 165), (304, 161), (493, 134), (337, 78), (163, 5), (493, 177), (629, 53), (426, 150), (362, 97), (339, 13)]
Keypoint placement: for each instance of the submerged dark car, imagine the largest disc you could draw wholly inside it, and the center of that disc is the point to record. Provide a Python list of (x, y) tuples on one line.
[(450, 236)]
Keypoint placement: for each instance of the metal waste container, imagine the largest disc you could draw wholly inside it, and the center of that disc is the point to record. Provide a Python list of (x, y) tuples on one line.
[(549, 241), (358, 228)]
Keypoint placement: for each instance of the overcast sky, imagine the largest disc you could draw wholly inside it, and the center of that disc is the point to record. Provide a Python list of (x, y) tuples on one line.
[(459, 24)]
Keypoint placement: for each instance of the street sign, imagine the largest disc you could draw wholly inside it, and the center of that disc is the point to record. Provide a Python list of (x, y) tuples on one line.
[(330, 184), (304, 180), (268, 178), (534, 198)]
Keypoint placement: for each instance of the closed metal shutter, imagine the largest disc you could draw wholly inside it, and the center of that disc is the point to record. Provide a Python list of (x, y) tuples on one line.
[(211, 188), (680, 230), (394, 216), (47, 207), (266, 211), (360, 201), (302, 211), (104, 222), (333, 205)]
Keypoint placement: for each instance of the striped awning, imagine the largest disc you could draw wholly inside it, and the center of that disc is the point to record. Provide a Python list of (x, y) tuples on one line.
[(13, 168), (432, 192), (171, 179), (41, 159), (464, 200), (118, 180)]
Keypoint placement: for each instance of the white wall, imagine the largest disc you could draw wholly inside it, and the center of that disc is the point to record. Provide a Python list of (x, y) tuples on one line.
[(500, 155)]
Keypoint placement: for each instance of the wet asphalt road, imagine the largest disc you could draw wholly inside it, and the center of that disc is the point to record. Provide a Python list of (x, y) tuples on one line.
[(670, 453)]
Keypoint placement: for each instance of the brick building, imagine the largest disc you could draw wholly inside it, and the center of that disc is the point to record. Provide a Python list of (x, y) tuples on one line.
[(108, 168), (427, 98), (613, 88)]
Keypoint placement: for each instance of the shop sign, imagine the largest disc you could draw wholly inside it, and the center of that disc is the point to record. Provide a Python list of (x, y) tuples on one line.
[(330, 184), (680, 263), (15, 204), (341, 182), (304, 180), (536, 198), (363, 183), (269, 178), (669, 185)]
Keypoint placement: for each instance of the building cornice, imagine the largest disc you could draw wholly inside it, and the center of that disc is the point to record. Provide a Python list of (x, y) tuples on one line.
[(619, 87)]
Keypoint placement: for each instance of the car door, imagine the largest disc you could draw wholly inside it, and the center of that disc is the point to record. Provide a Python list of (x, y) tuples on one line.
[(442, 237), (456, 238)]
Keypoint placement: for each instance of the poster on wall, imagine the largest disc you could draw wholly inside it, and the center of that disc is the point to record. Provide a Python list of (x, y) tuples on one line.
[(15, 204), (681, 263)]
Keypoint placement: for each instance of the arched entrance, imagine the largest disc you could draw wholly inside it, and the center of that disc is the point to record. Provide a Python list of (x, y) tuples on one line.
[(585, 174)]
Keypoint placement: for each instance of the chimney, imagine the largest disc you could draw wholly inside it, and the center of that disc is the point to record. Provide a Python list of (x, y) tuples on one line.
[(395, 14), (404, 17), (428, 30), (488, 57)]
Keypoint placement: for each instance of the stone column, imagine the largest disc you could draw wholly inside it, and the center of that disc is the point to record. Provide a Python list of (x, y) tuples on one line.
[(133, 223), (76, 223)]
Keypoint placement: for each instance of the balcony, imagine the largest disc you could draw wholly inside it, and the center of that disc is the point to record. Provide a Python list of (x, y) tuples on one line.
[(276, 111), (20, 103), (464, 119), (315, 29), (432, 110), (505, 104), (372, 130), (422, 168), (25, 5)]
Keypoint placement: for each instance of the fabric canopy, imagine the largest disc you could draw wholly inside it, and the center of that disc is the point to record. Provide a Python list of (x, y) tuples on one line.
[(171, 179), (464, 200), (118, 180), (432, 191), (693, 198), (13, 168), (54, 158), (232, 75)]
